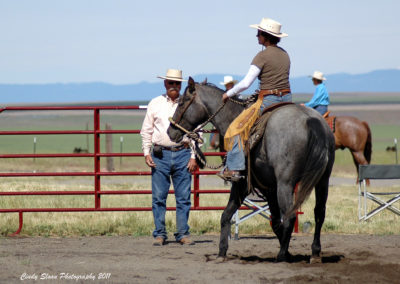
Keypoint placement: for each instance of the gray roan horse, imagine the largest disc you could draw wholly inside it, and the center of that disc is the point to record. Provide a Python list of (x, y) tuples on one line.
[(298, 148)]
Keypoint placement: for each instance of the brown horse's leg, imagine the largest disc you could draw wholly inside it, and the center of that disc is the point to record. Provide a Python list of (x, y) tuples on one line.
[(359, 159), (355, 135)]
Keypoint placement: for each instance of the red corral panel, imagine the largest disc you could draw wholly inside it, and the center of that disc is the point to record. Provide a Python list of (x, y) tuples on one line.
[(96, 173)]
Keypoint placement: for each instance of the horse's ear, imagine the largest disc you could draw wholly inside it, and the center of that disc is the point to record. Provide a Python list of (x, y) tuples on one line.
[(204, 82), (191, 85)]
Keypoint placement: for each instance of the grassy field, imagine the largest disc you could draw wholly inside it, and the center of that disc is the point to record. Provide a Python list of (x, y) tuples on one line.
[(342, 202), (341, 214)]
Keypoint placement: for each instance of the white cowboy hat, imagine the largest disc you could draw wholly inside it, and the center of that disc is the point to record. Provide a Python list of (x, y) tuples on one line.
[(269, 26), (318, 75), (227, 80), (173, 75)]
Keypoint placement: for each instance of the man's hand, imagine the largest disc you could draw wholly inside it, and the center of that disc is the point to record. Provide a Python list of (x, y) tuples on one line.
[(149, 161), (192, 165), (224, 98)]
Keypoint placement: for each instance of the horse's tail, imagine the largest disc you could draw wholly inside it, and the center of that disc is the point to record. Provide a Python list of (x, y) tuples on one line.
[(368, 143), (317, 158)]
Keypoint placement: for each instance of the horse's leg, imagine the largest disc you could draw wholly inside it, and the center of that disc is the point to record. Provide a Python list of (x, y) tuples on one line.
[(321, 195), (238, 193), (275, 214), (359, 159), (285, 200)]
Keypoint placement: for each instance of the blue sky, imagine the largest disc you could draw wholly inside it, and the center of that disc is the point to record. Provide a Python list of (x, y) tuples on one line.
[(124, 42)]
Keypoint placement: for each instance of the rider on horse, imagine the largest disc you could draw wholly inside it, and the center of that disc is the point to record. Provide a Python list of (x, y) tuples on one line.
[(272, 67), (320, 99)]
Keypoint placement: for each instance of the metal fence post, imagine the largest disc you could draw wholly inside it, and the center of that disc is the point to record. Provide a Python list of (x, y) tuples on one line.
[(96, 129), (34, 148), (121, 141)]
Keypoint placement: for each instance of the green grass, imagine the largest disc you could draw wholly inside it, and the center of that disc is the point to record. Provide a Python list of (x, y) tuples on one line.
[(341, 216), (40, 121)]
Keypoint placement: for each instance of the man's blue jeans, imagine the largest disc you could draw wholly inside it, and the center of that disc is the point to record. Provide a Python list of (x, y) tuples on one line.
[(172, 166), (235, 159)]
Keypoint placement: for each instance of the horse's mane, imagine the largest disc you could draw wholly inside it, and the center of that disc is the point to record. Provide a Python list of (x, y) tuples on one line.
[(236, 97), (209, 84)]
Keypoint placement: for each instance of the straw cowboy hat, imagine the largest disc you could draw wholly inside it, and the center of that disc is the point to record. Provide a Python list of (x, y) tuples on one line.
[(318, 75), (269, 26), (227, 80), (173, 75)]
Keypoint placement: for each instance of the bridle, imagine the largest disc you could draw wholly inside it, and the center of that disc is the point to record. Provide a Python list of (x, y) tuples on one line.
[(194, 134)]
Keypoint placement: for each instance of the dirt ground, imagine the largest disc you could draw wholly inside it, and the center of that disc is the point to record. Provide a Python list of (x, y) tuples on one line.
[(345, 259)]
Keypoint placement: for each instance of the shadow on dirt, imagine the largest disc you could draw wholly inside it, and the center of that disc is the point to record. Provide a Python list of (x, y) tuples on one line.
[(258, 238), (294, 259), (299, 258)]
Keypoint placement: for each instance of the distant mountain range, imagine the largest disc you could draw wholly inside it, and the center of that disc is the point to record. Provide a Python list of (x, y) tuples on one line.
[(375, 81)]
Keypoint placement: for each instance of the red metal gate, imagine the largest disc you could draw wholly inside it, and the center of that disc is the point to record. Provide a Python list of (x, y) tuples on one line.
[(96, 173)]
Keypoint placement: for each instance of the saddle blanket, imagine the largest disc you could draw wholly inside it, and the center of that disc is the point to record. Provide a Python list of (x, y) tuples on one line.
[(331, 120)]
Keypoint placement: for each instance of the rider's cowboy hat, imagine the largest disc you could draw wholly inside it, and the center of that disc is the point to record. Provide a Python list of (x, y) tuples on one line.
[(318, 75), (227, 80), (269, 26), (173, 75)]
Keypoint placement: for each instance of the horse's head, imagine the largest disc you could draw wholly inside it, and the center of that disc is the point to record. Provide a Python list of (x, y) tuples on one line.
[(190, 112)]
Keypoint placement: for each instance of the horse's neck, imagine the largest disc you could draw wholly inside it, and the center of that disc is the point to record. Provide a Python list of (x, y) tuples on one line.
[(212, 99), (227, 114)]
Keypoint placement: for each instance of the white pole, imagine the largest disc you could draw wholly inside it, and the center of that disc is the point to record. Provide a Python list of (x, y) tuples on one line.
[(121, 140), (34, 148)]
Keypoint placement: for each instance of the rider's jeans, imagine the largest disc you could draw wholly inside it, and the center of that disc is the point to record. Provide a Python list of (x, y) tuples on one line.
[(321, 109), (235, 159)]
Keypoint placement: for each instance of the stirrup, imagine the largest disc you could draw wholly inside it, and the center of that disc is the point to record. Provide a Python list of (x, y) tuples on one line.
[(228, 175)]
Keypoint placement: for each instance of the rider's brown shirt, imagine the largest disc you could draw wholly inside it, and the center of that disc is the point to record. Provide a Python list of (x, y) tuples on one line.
[(274, 63)]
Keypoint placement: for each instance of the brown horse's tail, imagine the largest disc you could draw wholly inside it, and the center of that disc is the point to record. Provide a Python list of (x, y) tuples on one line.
[(368, 143)]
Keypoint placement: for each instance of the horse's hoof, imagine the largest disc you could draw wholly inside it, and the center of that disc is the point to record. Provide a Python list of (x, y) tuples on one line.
[(281, 259), (287, 257), (220, 259), (315, 259)]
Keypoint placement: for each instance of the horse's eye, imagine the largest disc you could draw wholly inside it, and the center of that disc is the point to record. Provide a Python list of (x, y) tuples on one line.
[(184, 99)]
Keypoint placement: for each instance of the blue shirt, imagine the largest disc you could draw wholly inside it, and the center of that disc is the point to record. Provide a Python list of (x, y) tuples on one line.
[(321, 97)]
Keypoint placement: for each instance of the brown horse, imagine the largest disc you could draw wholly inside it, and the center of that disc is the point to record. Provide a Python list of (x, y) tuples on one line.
[(355, 135)]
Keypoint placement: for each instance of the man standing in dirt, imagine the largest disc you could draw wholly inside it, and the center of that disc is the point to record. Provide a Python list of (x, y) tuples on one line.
[(168, 160)]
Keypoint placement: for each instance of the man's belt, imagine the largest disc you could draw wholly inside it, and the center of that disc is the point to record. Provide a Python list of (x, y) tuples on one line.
[(275, 92), (174, 148)]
